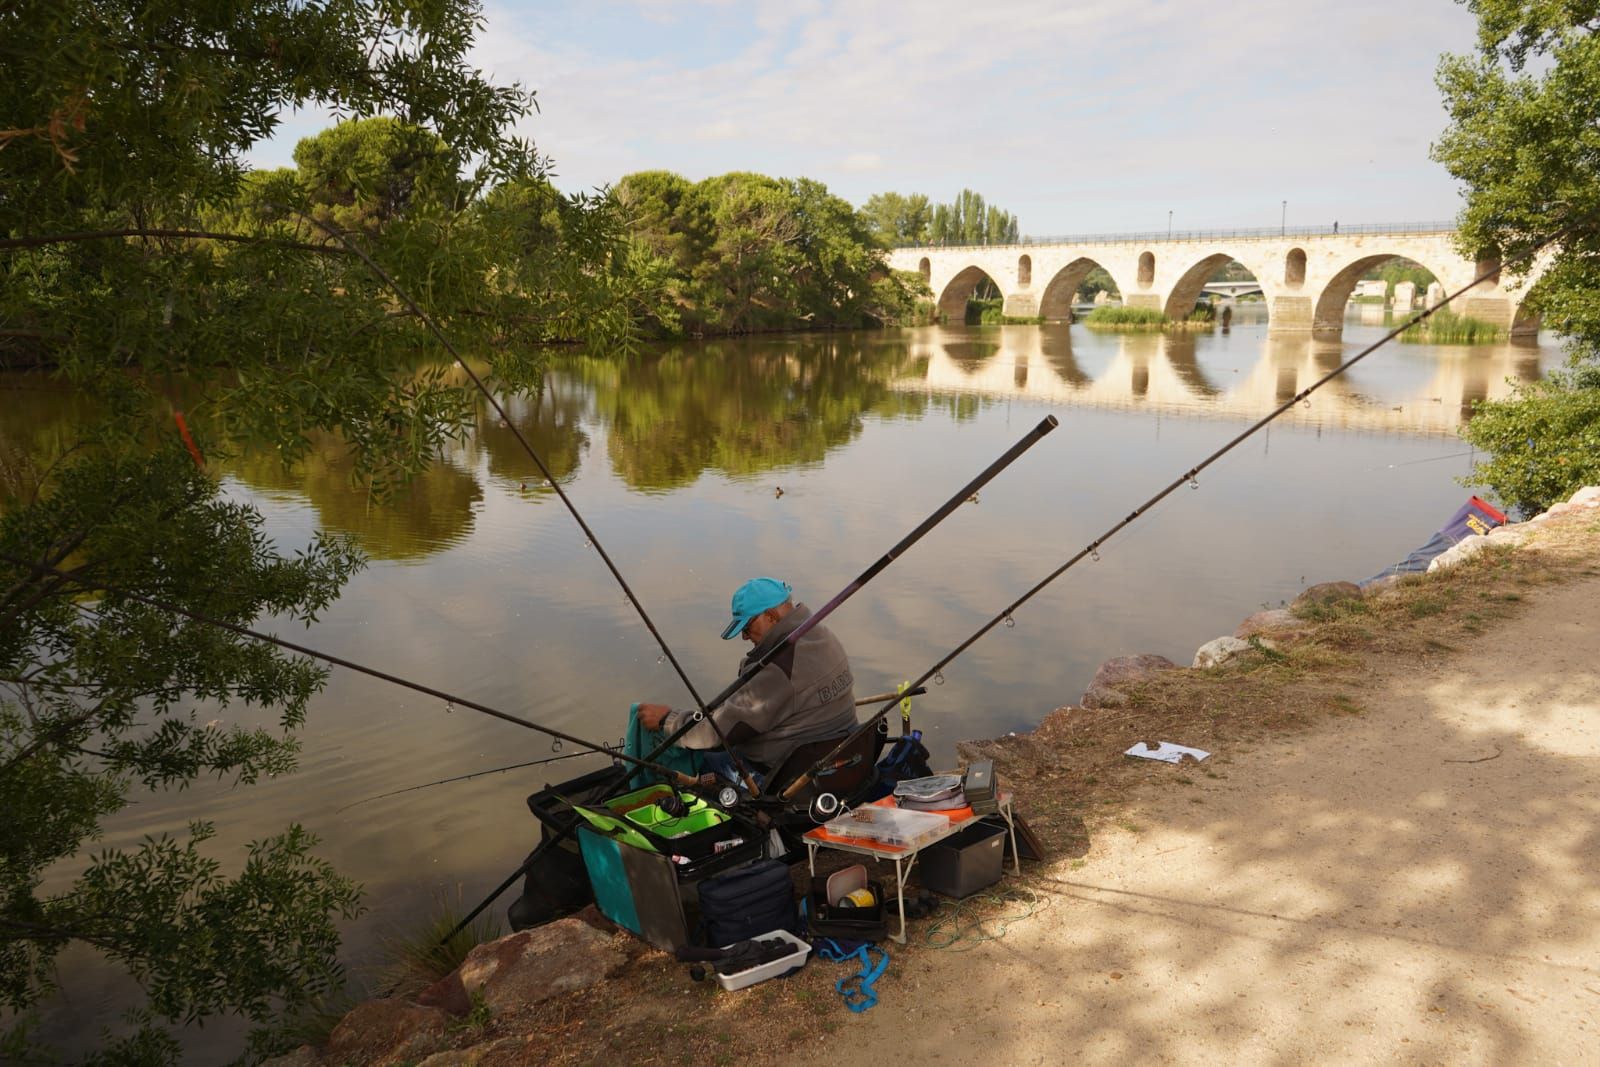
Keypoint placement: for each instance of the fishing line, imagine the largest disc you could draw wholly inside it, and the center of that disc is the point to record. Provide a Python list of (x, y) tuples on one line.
[(449, 698), (549, 476), (474, 774), (1189, 477)]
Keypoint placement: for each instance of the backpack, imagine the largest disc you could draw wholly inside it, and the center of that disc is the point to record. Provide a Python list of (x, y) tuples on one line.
[(748, 903), (907, 758)]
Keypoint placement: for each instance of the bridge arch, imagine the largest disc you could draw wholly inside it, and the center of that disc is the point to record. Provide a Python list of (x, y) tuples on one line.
[(1024, 270), (1328, 314), (1055, 303), (925, 268), (958, 290), (1187, 289)]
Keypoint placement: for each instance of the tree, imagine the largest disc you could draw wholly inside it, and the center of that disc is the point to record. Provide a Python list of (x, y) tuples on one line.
[(1523, 110), (898, 220), (204, 309), (749, 252)]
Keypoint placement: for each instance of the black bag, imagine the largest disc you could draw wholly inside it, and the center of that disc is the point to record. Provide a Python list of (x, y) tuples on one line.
[(747, 903)]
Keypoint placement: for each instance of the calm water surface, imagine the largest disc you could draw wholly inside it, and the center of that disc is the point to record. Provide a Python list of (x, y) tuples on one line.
[(481, 583)]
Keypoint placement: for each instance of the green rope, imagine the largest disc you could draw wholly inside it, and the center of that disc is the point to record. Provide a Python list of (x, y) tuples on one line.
[(960, 930)]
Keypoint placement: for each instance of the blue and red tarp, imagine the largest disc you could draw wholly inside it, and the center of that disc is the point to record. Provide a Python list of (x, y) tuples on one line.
[(1475, 519)]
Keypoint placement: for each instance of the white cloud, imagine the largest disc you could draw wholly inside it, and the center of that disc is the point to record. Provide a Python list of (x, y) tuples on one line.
[(1078, 116)]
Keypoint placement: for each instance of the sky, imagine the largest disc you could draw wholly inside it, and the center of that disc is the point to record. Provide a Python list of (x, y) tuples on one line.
[(1078, 117)]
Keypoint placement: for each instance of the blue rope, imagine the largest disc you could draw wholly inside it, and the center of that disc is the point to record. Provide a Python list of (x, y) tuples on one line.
[(862, 996)]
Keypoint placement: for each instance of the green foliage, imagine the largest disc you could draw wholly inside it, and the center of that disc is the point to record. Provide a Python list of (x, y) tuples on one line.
[(896, 219), (1401, 270), (1543, 442), (1095, 282), (743, 252), (1125, 318), (1524, 108), (1445, 327), (421, 955), (222, 302)]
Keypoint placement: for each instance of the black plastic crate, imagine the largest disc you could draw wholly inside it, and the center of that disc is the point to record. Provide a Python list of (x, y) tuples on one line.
[(965, 862)]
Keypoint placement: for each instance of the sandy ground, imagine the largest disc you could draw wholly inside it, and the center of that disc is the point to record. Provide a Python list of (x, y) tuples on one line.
[(1358, 894)]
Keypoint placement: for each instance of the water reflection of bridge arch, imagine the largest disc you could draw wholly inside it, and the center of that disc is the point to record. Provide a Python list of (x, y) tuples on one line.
[(1164, 373)]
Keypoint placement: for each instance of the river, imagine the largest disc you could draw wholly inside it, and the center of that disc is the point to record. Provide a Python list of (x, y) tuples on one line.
[(481, 583)]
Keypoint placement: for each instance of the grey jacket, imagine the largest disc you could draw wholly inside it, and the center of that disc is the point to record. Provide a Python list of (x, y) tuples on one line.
[(805, 694)]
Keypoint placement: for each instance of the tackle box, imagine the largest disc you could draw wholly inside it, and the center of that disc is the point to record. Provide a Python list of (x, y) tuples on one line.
[(824, 917), (889, 826)]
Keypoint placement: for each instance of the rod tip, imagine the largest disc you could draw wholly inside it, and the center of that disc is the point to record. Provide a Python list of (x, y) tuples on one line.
[(1049, 422)]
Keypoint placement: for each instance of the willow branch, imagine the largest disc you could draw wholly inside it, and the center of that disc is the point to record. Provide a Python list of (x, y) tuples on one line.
[(44, 240)]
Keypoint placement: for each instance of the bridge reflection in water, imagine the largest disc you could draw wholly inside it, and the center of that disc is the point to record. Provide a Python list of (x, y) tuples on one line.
[(1428, 390)]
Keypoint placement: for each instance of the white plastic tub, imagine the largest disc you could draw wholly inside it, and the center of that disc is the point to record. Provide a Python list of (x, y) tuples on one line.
[(740, 979)]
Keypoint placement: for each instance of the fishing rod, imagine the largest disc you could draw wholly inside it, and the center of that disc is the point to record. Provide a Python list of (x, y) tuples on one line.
[(1031, 438), (451, 700), (1092, 549), (984, 477), (506, 420), (860, 702)]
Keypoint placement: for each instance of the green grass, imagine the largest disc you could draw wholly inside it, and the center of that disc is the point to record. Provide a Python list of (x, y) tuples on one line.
[(1445, 327), (419, 956), (1125, 318)]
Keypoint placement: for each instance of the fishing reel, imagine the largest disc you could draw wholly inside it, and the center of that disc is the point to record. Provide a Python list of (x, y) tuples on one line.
[(824, 806)]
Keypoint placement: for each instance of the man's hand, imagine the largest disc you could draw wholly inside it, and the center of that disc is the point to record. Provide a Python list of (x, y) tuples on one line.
[(652, 715)]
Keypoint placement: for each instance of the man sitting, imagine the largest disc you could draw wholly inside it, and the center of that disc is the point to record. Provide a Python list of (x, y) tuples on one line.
[(806, 693)]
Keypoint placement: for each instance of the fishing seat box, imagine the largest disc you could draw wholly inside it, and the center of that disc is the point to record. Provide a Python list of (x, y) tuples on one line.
[(656, 894), (965, 862)]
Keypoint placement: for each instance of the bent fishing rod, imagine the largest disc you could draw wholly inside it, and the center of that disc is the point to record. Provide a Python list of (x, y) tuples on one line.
[(451, 700), (1092, 549), (549, 476)]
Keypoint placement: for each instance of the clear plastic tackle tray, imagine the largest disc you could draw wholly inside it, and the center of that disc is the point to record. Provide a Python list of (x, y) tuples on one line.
[(890, 826)]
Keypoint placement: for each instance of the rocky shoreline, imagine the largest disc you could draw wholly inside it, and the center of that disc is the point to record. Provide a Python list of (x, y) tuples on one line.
[(496, 1007)]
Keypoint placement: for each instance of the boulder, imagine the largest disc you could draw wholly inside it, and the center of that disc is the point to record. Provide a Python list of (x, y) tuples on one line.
[(304, 1056), (1324, 594), (1108, 687), (1458, 553), (385, 1031), (535, 965), (1273, 620), (1220, 651), (1588, 497), (501, 1052), (1509, 535)]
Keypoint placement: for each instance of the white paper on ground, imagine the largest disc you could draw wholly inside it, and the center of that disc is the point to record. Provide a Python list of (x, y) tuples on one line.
[(1167, 752)]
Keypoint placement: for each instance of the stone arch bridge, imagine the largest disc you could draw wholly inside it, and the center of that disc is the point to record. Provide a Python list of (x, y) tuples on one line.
[(1306, 278)]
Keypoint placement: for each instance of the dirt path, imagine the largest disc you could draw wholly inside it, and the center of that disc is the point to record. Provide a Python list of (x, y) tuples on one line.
[(1360, 893)]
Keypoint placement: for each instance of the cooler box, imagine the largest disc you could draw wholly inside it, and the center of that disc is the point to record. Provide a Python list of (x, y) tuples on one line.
[(964, 862)]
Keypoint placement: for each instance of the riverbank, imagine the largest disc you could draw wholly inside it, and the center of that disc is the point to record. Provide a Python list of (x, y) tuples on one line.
[(1387, 857)]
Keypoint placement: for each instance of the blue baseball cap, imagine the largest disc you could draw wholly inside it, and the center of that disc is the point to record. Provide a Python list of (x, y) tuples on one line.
[(751, 599)]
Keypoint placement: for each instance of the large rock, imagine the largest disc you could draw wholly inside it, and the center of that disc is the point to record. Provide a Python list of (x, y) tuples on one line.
[(386, 1031), (1324, 594), (502, 1052), (535, 965), (1108, 689), (1588, 496), (304, 1056), (1271, 621), (1459, 552), (1220, 651)]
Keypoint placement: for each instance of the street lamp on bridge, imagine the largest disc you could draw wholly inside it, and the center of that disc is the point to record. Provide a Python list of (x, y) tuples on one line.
[(1169, 225), (1283, 220)]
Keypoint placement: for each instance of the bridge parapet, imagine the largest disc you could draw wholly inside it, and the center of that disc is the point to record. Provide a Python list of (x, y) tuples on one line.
[(1306, 277)]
